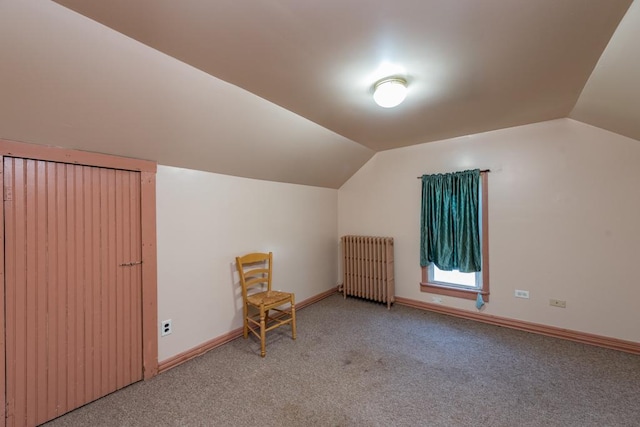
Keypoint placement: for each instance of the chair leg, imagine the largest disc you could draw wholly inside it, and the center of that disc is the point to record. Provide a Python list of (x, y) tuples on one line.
[(293, 318), (262, 333), (246, 322)]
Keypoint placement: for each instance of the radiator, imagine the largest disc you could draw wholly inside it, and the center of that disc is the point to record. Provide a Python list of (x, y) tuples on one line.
[(368, 268)]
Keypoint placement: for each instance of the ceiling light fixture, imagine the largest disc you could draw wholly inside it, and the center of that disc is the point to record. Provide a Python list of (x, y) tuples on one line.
[(390, 92)]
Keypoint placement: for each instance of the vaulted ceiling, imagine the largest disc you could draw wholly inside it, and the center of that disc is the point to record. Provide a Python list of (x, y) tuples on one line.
[(207, 84)]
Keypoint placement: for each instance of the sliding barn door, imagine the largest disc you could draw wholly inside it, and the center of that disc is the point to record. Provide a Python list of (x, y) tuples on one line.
[(73, 286)]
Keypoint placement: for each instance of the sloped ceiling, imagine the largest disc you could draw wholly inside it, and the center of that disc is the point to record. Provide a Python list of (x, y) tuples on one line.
[(473, 65), (281, 90), (611, 97), (67, 81)]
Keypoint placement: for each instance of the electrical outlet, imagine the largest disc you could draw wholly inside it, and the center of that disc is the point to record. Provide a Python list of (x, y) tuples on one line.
[(521, 294), (557, 303), (165, 328), (437, 300)]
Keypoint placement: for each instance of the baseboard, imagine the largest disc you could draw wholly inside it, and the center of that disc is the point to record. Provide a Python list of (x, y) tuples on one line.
[(315, 299), (178, 359), (582, 337)]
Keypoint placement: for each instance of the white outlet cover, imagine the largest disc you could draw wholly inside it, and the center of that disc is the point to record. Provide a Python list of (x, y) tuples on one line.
[(165, 328)]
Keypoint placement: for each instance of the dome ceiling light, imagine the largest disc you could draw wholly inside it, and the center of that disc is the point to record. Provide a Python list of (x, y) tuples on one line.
[(390, 92)]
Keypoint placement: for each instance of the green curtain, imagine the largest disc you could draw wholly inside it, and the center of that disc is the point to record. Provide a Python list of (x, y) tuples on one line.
[(449, 231)]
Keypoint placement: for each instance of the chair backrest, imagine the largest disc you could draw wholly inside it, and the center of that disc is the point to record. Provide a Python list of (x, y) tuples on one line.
[(254, 270)]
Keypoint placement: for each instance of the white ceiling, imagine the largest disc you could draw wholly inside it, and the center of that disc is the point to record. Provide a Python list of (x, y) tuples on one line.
[(281, 90), (472, 65)]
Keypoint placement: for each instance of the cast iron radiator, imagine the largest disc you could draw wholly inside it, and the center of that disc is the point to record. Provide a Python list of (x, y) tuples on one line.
[(368, 268)]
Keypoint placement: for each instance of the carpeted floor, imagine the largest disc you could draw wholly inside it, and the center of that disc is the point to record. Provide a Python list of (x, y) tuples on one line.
[(357, 364)]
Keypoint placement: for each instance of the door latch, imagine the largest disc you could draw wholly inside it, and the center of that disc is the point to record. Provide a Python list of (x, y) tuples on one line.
[(130, 264)]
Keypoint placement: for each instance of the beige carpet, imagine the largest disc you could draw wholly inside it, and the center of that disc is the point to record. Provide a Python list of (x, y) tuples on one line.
[(357, 364)]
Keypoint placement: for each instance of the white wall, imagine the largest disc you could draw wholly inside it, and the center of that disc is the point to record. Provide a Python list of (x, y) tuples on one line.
[(564, 220), (205, 220)]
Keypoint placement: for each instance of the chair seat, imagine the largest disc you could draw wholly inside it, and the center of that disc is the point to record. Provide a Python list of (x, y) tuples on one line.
[(268, 298)]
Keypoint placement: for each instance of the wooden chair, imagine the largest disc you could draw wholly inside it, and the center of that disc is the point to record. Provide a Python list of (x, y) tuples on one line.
[(255, 271)]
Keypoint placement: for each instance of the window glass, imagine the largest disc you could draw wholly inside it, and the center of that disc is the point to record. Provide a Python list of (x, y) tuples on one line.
[(454, 277)]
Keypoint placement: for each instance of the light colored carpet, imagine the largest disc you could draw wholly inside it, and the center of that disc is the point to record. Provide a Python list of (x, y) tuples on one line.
[(357, 364)]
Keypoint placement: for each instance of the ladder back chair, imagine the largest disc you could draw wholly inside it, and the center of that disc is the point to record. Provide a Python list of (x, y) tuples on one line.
[(255, 271)]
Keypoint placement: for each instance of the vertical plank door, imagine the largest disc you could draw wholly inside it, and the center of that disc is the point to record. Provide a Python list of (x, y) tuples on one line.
[(73, 317)]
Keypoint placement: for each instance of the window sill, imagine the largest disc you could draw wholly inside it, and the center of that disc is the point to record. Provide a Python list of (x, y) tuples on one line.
[(471, 294)]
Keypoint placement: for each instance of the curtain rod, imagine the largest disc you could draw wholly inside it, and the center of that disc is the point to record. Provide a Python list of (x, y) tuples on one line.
[(482, 171)]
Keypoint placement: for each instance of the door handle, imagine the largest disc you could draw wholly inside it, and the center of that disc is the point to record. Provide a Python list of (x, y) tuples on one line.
[(130, 264)]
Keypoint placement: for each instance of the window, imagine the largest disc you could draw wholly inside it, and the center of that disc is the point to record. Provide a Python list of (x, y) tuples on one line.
[(454, 277), (464, 285)]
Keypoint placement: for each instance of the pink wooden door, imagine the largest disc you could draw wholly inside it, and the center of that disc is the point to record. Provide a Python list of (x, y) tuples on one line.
[(73, 318)]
